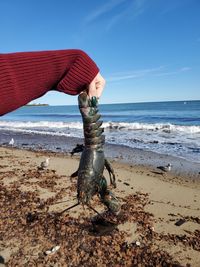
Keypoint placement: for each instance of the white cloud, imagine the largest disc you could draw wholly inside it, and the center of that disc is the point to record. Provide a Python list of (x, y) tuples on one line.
[(185, 69), (158, 71), (132, 74), (168, 73), (131, 9), (103, 10)]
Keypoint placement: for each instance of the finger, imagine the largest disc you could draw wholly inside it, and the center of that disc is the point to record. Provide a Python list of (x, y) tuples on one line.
[(100, 87), (99, 91), (92, 90)]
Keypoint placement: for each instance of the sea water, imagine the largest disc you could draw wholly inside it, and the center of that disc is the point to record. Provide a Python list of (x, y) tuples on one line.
[(171, 128)]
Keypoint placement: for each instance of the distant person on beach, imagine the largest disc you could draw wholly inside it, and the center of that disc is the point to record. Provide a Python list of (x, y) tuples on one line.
[(25, 76)]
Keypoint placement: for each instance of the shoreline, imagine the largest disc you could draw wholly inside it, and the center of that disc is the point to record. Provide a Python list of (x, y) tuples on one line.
[(138, 157), (189, 178), (157, 201)]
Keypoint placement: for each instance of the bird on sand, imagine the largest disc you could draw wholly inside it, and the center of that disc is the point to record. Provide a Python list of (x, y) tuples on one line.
[(166, 168), (44, 164), (11, 142)]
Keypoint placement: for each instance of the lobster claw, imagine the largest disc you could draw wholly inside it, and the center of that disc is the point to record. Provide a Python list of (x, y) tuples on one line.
[(94, 101), (85, 101)]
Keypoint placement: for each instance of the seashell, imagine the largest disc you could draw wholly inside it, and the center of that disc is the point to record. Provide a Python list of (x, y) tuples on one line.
[(47, 252), (138, 243), (54, 249)]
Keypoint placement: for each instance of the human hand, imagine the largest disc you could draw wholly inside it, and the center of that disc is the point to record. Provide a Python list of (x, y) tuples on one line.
[(95, 88)]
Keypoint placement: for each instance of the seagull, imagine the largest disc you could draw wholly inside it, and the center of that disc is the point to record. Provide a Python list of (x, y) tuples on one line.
[(44, 164), (165, 168), (11, 143)]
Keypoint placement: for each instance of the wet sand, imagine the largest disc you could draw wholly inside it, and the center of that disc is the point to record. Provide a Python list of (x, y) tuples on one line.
[(159, 224), (180, 167)]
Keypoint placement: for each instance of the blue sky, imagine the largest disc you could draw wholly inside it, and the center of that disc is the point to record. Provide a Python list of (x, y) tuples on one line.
[(147, 50)]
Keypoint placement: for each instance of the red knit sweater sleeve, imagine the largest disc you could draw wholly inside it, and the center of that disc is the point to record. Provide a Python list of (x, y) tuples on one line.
[(81, 73), (25, 76)]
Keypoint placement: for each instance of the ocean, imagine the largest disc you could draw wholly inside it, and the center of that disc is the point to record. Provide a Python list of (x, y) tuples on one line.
[(171, 128)]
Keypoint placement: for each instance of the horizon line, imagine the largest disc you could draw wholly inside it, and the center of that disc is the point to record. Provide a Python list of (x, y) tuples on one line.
[(116, 103)]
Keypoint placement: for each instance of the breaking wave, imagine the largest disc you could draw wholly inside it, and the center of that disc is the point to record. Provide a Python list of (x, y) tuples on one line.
[(152, 127), (110, 126)]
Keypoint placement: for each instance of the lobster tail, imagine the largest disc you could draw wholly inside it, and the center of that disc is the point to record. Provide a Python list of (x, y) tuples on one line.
[(91, 124)]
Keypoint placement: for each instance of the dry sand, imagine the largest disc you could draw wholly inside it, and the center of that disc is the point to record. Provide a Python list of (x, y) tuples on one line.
[(146, 235)]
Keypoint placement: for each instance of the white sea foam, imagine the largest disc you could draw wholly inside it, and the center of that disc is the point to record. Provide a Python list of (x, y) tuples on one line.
[(40, 124), (115, 126), (173, 139), (152, 127)]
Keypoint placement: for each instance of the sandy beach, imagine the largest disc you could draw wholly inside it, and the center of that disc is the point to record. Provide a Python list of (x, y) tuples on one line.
[(159, 224)]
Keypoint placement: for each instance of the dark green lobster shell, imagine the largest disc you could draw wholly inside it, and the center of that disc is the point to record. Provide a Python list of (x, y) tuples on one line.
[(91, 167)]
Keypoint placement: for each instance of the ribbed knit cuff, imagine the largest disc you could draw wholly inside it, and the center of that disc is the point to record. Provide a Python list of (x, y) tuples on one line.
[(80, 74)]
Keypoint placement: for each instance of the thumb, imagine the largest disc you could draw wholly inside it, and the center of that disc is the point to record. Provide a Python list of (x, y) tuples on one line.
[(92, 89)]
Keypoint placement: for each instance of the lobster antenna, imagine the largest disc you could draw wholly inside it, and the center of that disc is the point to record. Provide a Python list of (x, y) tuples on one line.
[(94, 210), (62, 201), (106, 220), (71, 207)]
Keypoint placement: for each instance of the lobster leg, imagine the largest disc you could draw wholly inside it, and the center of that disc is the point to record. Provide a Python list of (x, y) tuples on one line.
[(79, 148), (110, 170), (108, 198), (74, 174)]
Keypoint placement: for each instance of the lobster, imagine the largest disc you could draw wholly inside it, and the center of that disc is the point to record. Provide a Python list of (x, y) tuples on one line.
[(91, 180)]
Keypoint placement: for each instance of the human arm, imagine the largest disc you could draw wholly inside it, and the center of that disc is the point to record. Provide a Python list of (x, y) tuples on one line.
[(26, 76), (83, 74)]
